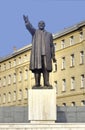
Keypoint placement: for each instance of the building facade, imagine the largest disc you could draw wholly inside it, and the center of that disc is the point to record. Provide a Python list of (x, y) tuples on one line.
[(67, 77)]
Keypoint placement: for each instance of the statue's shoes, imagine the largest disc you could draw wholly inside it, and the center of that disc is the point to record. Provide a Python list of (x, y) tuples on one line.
[(37, 87), (48, 86)]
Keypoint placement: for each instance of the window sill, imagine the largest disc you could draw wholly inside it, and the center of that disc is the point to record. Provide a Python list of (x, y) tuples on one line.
[(20, 81), (72, 89), (72, 66), (14, 101), (54, 71), (25, 98), (63, 91), (4, 85), (26, 79), (9, 101), (9, 84), (14, 83), (19, 99), (82, 87), (81, 64), (63, 69)]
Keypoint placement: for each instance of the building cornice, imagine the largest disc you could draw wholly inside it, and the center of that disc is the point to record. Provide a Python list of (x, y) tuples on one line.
[(17, 52), (69, 30)]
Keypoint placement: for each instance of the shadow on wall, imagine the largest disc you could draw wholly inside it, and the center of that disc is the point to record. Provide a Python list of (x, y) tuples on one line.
[(61, 114), (71, 114)]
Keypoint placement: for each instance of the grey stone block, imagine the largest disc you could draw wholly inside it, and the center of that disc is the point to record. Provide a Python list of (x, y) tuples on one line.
[(63, 108), (81, 109), (8, 120), (80, 115), (19, 114), (71, 117), (71, 109)]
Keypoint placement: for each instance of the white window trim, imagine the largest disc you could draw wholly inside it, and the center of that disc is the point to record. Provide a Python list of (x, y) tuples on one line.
[(72, 40), (82, 57), (63, 63), (72, 83), (81, 36), (82, 81), (62, 44), (63, 85), (72, 60)]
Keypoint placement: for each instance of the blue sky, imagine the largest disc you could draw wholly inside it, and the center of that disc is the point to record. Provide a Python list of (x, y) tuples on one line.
[(57, 14)]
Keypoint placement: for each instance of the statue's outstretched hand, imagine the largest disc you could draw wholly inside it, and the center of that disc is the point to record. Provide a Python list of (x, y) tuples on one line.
[(25, 18)]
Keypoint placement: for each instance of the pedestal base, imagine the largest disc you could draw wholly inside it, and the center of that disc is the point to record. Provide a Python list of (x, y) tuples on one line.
[(42, 105)]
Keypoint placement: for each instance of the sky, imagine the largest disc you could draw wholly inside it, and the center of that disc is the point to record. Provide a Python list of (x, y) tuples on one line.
[(57, 14)]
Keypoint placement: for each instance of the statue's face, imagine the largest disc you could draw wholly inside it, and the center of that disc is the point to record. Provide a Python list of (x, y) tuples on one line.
[(41, 25)]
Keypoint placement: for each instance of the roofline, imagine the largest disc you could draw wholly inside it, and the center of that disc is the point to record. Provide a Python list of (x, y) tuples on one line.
[(57, 35), (69, 30), (17, 52)]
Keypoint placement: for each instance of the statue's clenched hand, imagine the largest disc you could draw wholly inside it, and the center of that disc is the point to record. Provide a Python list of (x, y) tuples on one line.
[(25, 18)]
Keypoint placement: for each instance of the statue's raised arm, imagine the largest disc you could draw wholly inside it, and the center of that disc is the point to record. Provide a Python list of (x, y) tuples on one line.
[(28, 25)]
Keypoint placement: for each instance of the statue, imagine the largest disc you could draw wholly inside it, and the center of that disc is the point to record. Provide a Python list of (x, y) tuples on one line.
[(42, 52)]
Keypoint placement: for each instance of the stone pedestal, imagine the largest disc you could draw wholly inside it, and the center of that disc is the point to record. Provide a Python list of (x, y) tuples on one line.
[(42, 105)]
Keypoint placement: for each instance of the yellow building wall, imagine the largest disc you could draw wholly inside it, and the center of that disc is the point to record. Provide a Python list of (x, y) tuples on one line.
[(16, 78), (77, 94)]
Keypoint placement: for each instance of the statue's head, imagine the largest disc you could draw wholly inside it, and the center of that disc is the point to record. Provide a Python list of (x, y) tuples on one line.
[(41, 25)]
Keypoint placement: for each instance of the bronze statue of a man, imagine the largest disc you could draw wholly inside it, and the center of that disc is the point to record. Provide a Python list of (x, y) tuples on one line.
[(42, 52)]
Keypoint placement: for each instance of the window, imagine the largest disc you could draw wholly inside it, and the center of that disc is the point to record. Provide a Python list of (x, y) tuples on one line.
[(26, 74), (14, 96), (9, 97), (0, 99), (72, 60), (14, 62), (14, 81), (20, 76), (0, 67), (71, 40), (9, 79), (54, 67), (4, 98), (72, 83), (0, 82), (9, 64), (4, 66), (4, 81), (82, 81), (26, 93), (64, 104), (56, 85), (55, 46), (25, 57), (83, 103), (20, 94), (82, 57), (62, 44), (63, 63), (73, 104), (81, 36), (64, 85), (19, 60)]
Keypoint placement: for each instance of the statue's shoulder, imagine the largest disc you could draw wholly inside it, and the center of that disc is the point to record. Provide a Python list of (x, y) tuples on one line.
[(50, 34), (37, 30)]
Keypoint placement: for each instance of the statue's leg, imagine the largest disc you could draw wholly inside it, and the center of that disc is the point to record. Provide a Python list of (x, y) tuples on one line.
[(46, 78), (37, 78), (45, 72)]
